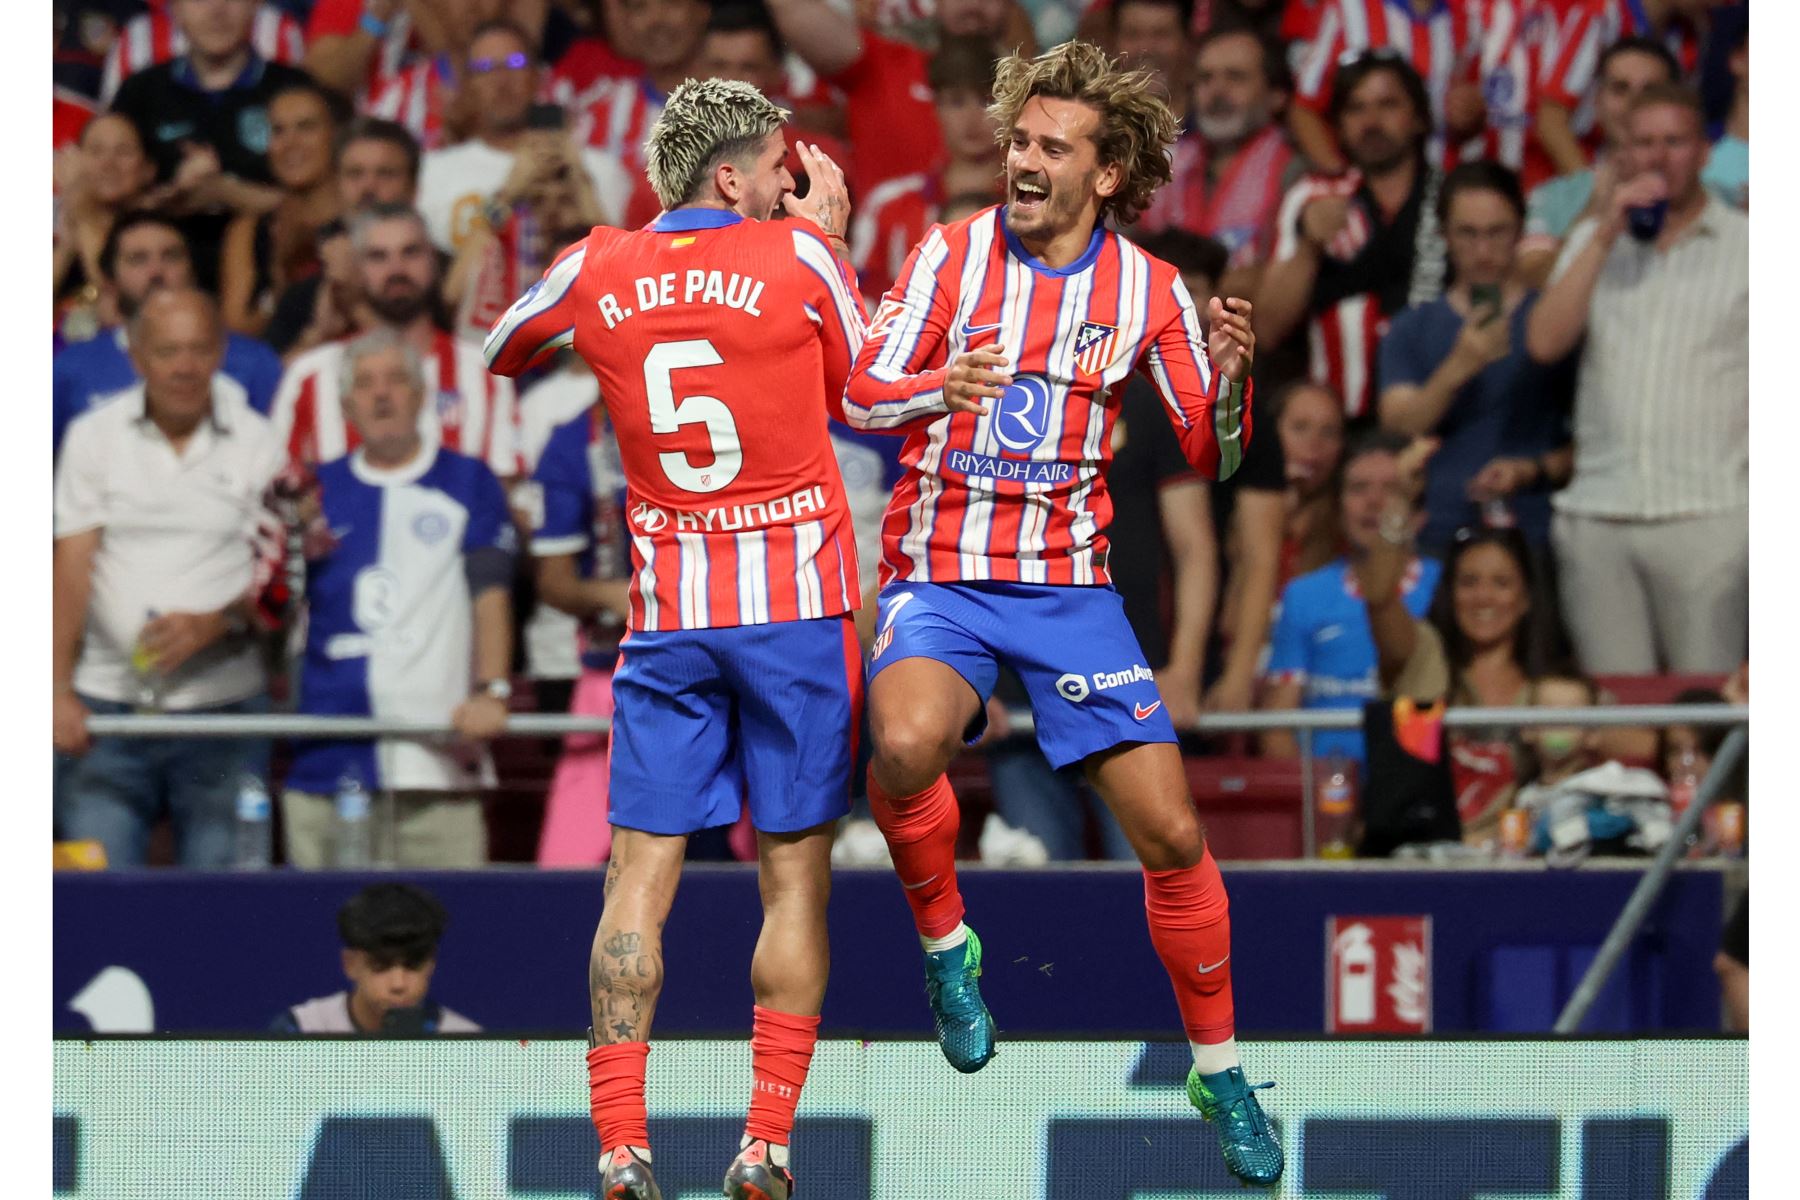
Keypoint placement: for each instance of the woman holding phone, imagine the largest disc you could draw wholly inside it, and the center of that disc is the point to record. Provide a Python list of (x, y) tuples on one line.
[(1455, 369)]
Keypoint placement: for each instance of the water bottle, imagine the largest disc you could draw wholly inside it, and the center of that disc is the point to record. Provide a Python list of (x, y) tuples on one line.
[(1337, 807), (355, 834), (147, 681), (253, 841)]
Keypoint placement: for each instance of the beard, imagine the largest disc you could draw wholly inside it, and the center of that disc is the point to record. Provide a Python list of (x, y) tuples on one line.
[(1376, 153), (401, 308)]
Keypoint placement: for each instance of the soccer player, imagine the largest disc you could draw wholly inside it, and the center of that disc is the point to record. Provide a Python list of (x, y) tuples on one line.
[(721, 340), (996, 353)]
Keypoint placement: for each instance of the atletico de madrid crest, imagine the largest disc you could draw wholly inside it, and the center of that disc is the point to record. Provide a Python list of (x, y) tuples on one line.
[(1095, 346)]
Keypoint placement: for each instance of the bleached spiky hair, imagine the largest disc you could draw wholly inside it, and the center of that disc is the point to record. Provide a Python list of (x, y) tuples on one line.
[(706, 122)]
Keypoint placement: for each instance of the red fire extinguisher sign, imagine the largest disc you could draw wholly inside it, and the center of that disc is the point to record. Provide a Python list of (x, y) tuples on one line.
[(1378, 974)]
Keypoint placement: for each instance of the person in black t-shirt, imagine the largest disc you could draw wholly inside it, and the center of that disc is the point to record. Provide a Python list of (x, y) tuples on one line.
[(1732, 964), (204, 120)]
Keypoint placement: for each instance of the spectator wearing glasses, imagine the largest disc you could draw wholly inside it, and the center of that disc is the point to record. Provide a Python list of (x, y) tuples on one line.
[(1652, 533), (266, 252), (1233, 163), (105, 176), (1456, 369), (376, 163), (145, 253), (1353, 250), (204, 117), (158, 500), (486, 179)]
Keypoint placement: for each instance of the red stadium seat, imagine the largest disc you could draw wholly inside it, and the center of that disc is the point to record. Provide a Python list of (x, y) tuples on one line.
[(1251, 806), (1654, 689)]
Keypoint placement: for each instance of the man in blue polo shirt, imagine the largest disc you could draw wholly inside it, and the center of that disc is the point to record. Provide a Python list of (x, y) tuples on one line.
[(142, 253), (1321, 654)]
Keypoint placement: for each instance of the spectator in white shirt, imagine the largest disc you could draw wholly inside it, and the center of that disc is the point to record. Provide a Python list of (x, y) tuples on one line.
[(476, 183), (158, 501), (1652, 533)]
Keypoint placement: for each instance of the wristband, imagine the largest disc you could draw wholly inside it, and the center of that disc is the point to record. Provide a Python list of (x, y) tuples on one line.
[(373, 26)]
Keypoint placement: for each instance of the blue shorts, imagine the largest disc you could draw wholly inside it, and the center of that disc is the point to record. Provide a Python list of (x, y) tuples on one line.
[(1071, 646), (705, 719)]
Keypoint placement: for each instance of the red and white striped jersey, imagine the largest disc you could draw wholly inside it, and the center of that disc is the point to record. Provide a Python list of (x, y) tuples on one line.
[(721, 346), (1577, 33), (1019, 494), (466, 408), (889, 222), (1509, 40), (416, 97), (1442, 46), (152, 38), (619, 119)]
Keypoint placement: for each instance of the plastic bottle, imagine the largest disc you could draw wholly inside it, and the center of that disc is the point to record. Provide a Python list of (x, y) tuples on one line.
[(1725, 829), (147, 680), (1336, 807), (253, 842), (355, 833)]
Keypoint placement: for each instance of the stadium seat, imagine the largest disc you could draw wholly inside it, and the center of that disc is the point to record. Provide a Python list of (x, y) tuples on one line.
[(1251, 807), (1654, 689)]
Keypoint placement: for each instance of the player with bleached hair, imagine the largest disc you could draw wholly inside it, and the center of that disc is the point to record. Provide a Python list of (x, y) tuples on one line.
[(721, 339), (998, 354)]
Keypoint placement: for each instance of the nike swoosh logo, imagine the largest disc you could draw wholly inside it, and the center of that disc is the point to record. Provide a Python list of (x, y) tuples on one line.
[(1140, 712), (971, 331), (913, 887), (1206, 970)]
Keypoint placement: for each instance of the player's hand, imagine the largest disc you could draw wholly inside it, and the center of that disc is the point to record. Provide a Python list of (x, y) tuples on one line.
[(1502, 477), (827, 202), (1324, 218), (480, 718), (1230, 342), (976, 375), (68, 724), (173, 638)]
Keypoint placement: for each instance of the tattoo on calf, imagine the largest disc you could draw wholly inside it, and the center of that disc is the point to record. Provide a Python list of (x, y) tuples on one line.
[(624, 982)]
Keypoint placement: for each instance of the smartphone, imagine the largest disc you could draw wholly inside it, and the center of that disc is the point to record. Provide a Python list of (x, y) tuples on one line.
[(1486, 295), (546, 116)]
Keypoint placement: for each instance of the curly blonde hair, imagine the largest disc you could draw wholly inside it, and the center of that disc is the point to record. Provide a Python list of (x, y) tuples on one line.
[(1136, 132)]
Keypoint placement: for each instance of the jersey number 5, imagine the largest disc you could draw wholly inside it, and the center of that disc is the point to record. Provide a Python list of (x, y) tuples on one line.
[(668, 415)]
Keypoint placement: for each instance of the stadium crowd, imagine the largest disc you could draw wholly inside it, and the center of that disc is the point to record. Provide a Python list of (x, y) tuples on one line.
[(1498, 251)]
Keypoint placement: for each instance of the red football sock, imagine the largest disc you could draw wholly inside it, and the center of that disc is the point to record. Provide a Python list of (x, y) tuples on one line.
[(921, 835), (1190, 925), (616, 1094), (781, 1049)]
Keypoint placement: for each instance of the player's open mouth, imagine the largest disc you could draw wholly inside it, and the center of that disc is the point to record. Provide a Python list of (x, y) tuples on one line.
[(1029, 195)]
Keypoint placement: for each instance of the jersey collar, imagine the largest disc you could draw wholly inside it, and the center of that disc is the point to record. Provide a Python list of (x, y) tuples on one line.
[(395, 476), (686, 220), (1025, 256), (182, 71)]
